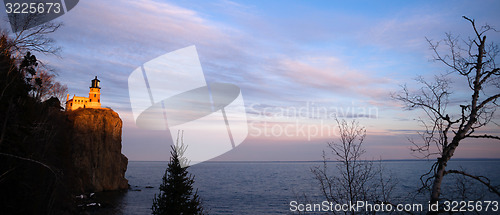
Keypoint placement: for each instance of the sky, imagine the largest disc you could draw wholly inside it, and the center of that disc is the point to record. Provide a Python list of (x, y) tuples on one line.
[(333, 58)]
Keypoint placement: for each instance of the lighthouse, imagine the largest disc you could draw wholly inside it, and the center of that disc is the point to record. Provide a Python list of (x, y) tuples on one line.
[(93, 101)]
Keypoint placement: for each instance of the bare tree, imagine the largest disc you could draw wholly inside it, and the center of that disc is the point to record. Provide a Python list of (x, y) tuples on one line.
[(45, 86), (473, 60), (32, 38), (59, 91), (180, 148), (355, 179), (28, 37)]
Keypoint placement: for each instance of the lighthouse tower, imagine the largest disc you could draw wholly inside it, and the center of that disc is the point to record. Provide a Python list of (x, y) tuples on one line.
[(94, 94)]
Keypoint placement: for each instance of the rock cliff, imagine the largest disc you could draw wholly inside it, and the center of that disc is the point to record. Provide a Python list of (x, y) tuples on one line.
[(96, 161)]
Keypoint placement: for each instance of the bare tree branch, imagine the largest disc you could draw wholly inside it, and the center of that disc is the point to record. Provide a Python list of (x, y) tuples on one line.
[(33, 161), (33, 39), (488, 100), (481, 179), (484, 136)]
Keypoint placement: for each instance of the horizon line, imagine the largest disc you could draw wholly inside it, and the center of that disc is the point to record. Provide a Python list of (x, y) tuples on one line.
[(316, 161)]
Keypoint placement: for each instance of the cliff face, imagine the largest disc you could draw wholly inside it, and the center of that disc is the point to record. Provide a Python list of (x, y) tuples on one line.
[(96, 161)]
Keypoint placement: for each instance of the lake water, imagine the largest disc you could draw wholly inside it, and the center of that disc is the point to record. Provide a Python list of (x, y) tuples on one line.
[(267, 187)]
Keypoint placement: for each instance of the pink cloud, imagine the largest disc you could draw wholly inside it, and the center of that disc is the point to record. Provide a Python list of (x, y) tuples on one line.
[(330, 73)]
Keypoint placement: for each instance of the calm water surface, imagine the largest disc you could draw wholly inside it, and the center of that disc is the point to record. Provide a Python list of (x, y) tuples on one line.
[(264, 187)]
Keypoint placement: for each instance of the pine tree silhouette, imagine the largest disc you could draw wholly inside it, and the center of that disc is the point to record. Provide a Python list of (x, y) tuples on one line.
[(176, 191)]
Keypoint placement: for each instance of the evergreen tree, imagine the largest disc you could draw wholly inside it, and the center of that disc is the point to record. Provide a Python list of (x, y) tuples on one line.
[(176, 192)]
